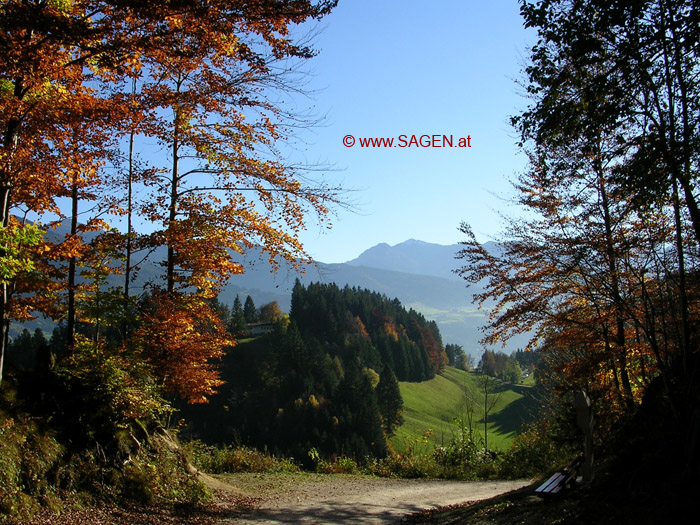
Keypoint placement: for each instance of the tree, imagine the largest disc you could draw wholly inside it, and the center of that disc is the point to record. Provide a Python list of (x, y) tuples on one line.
[(249, 311), (238, 322), (511, 371), (487, 365), (359, 420), (270, 313), (597, 271), (491, 394), (211, 109), (180, 337), (68, 82), (634, 70), (389, 400)]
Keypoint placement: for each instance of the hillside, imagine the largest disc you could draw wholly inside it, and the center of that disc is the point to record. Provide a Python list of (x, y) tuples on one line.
[(433, 406), (417, 273)]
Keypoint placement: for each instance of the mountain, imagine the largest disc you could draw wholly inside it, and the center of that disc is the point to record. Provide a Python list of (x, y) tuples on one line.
[(416, 257), (412, 256), (417, 273)]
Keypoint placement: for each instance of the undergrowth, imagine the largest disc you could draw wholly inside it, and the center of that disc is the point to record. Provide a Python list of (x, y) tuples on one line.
[(230, 459), (54, 453), (464, 457)]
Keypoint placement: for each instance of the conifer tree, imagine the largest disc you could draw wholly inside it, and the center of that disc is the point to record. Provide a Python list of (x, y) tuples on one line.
[(389, 400), (250, 313), (238, 322)]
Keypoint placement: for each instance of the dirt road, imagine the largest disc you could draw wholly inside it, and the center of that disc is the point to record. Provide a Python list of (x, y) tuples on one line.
[(338, 499)]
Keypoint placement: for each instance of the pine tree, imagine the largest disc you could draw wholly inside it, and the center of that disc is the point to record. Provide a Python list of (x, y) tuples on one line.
[(249, 311), (238, 323), (389, 400)]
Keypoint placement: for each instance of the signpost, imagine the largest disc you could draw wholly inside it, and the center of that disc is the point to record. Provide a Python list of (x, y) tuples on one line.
[(584, 418)]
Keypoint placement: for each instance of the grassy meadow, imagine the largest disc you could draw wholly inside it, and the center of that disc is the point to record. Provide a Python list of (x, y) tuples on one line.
[(430, 409)]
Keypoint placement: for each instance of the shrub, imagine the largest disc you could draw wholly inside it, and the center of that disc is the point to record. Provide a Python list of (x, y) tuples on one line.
[(405, 466), (29, 466), (462, 449), (236, 459), (533, 453), (159, 474), (337, 465), (46, 454)]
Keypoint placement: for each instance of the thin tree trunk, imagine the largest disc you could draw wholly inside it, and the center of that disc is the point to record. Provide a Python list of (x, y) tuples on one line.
[(9, 144), (682, 288), (70, 322), (620, 343), (129, 224), (174, 192)]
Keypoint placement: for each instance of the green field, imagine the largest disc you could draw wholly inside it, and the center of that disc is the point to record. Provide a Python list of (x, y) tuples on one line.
[(431, 407)]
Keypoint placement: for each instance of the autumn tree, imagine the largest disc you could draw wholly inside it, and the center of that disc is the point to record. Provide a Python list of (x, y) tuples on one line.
[(597, 270), (636, 66), (116, 70), (226, 187), (270, 312), (181, 337)]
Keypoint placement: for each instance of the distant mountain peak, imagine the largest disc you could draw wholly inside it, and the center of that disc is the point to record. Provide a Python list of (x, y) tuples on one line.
[(411, 256), (415, 242)]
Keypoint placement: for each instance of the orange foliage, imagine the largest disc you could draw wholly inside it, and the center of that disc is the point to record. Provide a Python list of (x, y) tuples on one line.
[(181, 336), (65, 110)]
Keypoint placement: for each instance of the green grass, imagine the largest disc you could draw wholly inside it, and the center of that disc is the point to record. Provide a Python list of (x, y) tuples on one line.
[(431, 407), (529, 380)]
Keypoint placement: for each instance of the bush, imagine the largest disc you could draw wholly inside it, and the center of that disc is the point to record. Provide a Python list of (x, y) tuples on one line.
[(462, 449), (159, 474), (235, 459), (30, 461), (339, 465), (47, 455), (533, 453), (405, 466)]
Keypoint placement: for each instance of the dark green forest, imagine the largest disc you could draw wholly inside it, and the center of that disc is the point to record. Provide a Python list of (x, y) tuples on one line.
[(325, 379)]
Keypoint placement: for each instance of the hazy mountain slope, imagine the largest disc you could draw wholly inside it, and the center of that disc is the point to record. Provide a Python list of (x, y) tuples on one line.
[(443, 299), (430, 288), (412, 256)]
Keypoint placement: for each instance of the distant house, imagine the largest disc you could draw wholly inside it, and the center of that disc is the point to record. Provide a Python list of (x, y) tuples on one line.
[(255, 329)]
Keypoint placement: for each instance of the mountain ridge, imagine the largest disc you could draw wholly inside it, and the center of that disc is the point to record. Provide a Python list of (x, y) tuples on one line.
[(417, 273), (412, 256)]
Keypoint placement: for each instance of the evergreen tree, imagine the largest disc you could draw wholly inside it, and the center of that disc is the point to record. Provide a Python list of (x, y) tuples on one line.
[(389, 400), (238, 323), (488, 363), (249, 311), (456, 356), (360, 425)]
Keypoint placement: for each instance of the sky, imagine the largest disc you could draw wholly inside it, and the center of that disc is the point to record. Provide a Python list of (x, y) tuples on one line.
[(393, 68)]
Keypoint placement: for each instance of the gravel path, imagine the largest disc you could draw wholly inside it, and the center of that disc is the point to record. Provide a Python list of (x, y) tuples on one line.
[(354, 499)]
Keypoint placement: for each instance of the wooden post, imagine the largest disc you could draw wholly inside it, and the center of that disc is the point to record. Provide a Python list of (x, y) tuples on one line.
[(584, 418)]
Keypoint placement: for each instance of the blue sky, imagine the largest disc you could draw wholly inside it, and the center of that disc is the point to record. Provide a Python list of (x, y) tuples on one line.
[(389, 68)]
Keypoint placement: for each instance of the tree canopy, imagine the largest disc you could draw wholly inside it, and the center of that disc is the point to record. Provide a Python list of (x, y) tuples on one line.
[(602, 269), (87, 88)]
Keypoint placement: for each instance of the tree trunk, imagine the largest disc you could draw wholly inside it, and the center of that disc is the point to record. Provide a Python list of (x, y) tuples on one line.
[(9, 144), (70, 321), (172, 217), (618, 304)]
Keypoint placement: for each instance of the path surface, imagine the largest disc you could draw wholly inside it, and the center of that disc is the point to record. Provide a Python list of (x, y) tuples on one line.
[(337, 499)]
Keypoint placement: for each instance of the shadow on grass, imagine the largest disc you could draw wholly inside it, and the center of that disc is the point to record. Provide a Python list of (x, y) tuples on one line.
[(513, 416)]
